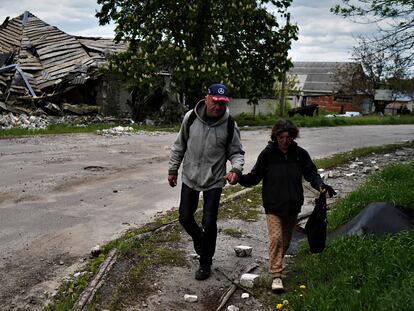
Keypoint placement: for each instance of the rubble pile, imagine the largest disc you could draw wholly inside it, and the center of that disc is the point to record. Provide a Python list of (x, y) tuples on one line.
[(40, 120), (9, 120), (363, 167)]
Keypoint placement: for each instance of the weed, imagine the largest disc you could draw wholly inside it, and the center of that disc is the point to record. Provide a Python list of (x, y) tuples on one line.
[(246, 207), (233, 232)]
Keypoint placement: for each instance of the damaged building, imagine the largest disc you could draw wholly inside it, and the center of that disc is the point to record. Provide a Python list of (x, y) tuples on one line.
[(44, 67), (318, 86)]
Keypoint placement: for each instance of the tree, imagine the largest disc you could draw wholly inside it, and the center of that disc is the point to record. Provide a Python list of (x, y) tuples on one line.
[(291, 88), (395, 19), (350, 79), (199, 42), (373, 69)]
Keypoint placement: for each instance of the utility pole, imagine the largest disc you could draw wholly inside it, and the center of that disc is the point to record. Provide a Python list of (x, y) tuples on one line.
[(283, 82)]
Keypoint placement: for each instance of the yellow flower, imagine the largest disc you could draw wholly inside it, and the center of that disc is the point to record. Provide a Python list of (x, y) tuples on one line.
[(302, 286), (279, 306)]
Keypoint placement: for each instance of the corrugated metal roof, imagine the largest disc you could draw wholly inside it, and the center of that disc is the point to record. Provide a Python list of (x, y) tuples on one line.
[(317, 77)]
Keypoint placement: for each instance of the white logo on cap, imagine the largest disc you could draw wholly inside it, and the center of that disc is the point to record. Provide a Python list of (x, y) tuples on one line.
[(220, 91)]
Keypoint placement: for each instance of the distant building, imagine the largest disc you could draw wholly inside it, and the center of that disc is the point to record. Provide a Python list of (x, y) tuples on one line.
[(401, 104), (318, 85), (39, 61)]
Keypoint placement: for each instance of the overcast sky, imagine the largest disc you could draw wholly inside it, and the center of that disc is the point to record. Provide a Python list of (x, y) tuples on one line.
[(322, 35)]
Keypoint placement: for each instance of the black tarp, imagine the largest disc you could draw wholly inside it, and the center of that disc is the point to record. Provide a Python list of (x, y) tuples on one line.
[(377, 219)]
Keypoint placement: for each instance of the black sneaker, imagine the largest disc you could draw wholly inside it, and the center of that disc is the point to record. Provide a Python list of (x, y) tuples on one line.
[(202, 273)]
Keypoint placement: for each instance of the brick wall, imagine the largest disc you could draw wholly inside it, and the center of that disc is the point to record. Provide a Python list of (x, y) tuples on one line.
[(337, 103)]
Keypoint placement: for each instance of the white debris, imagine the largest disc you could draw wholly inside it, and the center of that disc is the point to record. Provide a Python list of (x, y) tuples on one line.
[(245, 295), (366, 169), (194, 256), (247, 280), (232, 308), (353, 165), (243, 251), (79, 274), (190, 298), (116, 131)]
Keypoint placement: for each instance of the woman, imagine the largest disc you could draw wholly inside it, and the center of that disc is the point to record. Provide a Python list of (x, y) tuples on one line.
[(281, 166)]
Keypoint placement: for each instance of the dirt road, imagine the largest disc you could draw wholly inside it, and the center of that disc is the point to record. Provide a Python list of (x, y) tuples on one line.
[(62, 195)]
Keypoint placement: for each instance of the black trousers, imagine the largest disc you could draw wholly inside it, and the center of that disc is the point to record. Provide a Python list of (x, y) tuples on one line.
[(205, 237)]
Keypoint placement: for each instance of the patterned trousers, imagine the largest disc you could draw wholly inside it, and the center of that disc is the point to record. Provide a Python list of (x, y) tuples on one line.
[(280, 234)]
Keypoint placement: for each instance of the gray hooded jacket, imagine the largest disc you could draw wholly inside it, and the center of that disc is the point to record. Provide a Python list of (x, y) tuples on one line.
[(203, 151)]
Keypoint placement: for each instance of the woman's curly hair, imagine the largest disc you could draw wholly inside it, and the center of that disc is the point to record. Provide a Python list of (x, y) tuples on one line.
[(284, 126)]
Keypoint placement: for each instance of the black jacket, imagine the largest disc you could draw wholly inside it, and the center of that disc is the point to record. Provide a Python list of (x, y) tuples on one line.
[(282, 190)]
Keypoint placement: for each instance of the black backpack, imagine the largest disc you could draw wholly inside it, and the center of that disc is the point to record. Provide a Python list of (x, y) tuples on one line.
[(230, 128)]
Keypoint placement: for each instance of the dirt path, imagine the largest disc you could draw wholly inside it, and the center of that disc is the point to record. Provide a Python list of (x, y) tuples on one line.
[(62, 195)]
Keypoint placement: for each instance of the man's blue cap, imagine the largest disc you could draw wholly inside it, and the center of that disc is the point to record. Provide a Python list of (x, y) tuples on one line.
[(219, 92)]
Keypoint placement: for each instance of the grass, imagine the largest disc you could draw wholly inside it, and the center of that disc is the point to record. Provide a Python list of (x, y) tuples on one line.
[(71, 290), (245, 207), (246, 119), (56, 129), (233, 232), (356, 273), (243, 120)]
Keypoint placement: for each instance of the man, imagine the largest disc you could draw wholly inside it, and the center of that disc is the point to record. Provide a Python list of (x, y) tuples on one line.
[(204, 147)]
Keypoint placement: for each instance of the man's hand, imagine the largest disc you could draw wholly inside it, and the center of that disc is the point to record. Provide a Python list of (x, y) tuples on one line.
[(232, 178), (172, 180)]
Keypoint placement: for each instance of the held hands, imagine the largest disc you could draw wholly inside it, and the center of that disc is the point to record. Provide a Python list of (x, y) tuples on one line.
[(231, 177), (172, 180)]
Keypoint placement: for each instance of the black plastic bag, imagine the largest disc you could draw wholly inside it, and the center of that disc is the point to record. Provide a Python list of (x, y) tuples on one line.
[(315, 227)]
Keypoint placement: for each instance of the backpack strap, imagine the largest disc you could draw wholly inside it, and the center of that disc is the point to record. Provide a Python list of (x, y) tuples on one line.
[(230, 133), (190, 121), (230, 128)]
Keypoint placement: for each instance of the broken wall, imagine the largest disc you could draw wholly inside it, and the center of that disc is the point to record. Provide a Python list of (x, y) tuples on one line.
[(112, 96)]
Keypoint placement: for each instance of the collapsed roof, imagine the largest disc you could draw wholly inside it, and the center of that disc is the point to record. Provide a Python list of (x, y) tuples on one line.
[(37, 58)]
